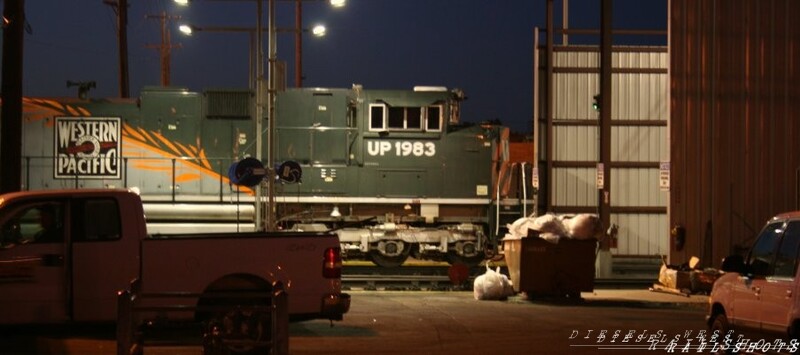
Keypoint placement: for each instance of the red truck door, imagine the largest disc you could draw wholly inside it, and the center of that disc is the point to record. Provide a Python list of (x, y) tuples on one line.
[(33, 260), (105, 249)]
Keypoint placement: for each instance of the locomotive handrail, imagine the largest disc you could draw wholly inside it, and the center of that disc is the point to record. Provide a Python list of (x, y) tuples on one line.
[(40, 165)]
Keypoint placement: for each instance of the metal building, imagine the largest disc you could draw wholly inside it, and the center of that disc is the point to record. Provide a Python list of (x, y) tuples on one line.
[(734, 127), (576, 177)]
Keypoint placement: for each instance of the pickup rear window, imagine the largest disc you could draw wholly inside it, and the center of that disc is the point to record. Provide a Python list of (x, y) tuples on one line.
[(96, 220)]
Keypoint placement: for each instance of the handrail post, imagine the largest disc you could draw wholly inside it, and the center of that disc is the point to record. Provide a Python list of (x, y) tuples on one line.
[(128, 342), (174, 181), (124, 322), (280, 320)]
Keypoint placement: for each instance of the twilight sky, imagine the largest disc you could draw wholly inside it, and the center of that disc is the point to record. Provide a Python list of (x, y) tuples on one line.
[(484, 47)]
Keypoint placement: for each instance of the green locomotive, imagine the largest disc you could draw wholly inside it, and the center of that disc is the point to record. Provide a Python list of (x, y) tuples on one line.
[(395, 172)]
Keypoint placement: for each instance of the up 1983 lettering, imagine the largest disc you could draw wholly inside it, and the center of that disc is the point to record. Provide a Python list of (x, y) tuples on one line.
[(401, 148)]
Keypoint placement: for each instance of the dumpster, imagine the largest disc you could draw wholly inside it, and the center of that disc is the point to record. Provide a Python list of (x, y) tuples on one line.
[(541, 268)]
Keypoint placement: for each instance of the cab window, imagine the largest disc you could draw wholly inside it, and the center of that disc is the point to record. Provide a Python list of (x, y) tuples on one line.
[(97, 220), (763, 253), (786, 260), (35, 223)]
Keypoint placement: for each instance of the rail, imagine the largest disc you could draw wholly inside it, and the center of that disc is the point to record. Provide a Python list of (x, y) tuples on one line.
[(239, 321)]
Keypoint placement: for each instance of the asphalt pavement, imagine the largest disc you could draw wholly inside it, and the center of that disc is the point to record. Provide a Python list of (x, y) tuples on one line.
[(447, 322), (403, 322)]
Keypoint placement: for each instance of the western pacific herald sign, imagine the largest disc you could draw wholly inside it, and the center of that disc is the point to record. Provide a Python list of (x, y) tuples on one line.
[(87, 147)]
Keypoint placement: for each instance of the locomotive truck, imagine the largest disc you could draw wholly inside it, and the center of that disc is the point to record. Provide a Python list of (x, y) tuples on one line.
[(393, 172)]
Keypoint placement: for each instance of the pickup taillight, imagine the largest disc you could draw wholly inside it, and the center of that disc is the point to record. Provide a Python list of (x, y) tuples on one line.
[(332, 265)]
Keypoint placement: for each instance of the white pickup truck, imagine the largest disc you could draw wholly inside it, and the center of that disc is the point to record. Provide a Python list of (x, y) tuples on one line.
[(759, 295), (64, 255)]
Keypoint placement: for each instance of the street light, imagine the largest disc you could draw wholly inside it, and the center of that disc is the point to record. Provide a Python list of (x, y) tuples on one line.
[(271, 89), (298, 39), (189, 30), (318, 30)]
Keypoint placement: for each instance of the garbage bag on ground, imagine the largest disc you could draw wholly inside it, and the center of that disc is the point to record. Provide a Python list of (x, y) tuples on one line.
[(492, 285)]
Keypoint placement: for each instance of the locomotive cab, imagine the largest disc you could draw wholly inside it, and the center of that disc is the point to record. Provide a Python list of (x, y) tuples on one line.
[(394, 171)]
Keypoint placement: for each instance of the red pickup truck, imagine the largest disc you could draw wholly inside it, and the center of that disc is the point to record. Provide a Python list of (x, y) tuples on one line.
[(65, 254)]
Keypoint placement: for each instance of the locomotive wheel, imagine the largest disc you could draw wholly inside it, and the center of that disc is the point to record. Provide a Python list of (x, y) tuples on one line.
[(389, 261), (470, 261)]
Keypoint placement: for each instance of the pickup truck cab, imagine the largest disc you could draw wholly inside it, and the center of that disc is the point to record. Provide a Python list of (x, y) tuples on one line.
[(65, 254), (759, 294)]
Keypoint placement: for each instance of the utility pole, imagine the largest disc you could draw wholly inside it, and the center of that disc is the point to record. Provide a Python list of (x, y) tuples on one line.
[(120, 8), (298, 44), (11, 123), (604, 198), (165, 48)]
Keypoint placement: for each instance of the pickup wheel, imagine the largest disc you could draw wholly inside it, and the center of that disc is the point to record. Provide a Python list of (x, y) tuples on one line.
[(238, 332), (720, 324), (234, 318)]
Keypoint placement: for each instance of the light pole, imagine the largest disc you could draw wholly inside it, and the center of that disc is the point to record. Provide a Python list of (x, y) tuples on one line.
[(257, 82), (188, 29), (298, 39), (191, 29), (270, 105)]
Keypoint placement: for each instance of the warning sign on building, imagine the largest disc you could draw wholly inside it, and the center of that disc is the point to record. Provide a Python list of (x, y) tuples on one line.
[(663, 175), (601, 180)]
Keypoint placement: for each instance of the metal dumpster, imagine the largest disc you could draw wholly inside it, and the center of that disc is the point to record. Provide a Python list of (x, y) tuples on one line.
[(541, 268)]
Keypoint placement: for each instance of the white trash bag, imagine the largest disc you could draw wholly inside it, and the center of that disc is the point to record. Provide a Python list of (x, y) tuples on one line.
[(492, 285), (585, 226)]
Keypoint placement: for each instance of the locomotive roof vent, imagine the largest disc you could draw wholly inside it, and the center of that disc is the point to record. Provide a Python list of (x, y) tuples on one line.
[(228, 104)]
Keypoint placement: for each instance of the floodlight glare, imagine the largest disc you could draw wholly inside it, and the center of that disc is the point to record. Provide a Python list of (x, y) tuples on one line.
[(318, 30), (186, 29), (334, 3)]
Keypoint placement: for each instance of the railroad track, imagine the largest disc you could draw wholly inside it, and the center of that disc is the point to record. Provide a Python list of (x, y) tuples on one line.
[(409, 277), (437, 277)]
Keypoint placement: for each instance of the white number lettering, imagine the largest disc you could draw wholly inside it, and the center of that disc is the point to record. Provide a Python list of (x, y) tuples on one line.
[(418, 148), (430, 149), (402, 148)]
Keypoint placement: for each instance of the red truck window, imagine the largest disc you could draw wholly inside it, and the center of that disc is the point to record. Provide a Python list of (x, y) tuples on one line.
[(97, 220), (40, 222)]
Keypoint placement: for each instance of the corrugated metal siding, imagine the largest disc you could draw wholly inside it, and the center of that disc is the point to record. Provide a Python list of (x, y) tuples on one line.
[(575, 143), (639, 141), (574, 93), (574, 187), (641, 234), (640, 96), (735, 130), (637, 188)]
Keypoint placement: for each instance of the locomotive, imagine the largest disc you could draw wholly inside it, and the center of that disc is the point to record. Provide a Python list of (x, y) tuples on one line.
[(394, 172)]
